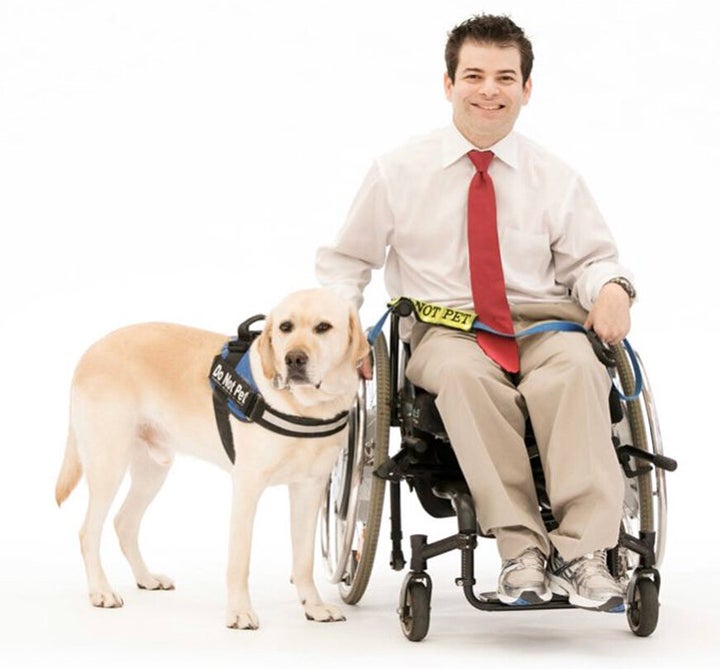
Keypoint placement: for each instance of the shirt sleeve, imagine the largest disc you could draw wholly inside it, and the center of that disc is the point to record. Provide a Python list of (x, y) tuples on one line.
[(584, 253), (361, 245)]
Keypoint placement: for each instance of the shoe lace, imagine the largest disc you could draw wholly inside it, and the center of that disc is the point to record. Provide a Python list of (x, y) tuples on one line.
[(588, 566), (532, 557)]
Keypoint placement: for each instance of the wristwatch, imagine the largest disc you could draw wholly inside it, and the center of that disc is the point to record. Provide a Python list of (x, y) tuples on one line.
[(625, 285)]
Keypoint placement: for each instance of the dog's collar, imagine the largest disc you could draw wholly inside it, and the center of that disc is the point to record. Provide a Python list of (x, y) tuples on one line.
[(235, 392)]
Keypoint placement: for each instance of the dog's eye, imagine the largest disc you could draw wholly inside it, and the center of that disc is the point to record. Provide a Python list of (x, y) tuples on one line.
[(320, 328), (286, 326)]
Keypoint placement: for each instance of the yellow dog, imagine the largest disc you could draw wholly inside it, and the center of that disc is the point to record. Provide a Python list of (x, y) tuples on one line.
[(142, 394)]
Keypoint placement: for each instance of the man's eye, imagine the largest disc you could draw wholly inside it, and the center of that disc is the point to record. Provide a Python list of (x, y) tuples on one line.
[(323, 327), (286, 326)]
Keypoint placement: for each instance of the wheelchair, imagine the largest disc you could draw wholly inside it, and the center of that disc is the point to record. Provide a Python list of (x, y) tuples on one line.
[(352, 510)]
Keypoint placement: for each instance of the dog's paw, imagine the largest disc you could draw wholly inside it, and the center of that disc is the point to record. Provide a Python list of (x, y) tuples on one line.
[(106, 600), (155, 582), (242, 620), (323, 613)]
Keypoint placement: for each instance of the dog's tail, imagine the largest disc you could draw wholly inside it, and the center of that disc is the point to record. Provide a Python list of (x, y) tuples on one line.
[(71, 470)]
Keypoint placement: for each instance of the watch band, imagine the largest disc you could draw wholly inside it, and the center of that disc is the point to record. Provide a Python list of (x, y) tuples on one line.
[(625, 285)]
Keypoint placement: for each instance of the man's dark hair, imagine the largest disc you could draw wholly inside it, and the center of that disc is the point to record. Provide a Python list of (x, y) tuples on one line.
[(488, 29)]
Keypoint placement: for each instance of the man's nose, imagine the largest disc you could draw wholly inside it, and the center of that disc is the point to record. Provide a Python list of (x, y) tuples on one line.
[(488, 87)]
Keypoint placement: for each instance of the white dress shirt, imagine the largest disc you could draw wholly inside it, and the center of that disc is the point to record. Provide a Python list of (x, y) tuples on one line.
[(411, 216)]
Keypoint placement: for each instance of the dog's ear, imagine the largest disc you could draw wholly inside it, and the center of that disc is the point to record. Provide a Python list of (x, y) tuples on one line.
[(359, 347), (265, 350)]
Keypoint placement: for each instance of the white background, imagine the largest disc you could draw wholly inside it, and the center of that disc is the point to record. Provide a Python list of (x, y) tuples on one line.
[(182, 160)]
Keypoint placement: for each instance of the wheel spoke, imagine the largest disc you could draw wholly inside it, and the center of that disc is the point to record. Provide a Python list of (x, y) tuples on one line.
[(349, 540)]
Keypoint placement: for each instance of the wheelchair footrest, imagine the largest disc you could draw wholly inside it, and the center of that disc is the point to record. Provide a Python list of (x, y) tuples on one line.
[(488, 601)]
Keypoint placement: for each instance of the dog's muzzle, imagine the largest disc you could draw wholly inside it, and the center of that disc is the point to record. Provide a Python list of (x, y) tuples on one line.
[(296, 365)]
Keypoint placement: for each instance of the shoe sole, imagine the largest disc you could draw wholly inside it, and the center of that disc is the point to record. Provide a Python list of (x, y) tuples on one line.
[(526, 598), (614, 604)]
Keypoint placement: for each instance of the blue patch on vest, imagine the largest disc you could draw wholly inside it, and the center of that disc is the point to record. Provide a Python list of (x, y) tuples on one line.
[(231, 387), (245, 372)]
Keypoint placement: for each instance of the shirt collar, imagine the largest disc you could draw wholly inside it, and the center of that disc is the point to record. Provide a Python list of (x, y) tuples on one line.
[(455, 146)]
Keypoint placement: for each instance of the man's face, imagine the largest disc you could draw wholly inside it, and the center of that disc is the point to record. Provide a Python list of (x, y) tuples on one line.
[(488, 92)]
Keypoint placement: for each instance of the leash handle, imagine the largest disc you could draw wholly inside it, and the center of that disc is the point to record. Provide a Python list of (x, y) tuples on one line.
[(246, 336)]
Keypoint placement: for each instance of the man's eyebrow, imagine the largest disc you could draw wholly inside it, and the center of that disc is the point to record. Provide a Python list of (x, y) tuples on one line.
[(481, 71)]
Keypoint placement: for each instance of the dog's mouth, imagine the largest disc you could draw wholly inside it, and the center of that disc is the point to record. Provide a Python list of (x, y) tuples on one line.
[(295, 380), (302, 381)]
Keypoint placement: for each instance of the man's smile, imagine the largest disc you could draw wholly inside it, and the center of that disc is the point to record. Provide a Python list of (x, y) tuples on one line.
[(487, 107)]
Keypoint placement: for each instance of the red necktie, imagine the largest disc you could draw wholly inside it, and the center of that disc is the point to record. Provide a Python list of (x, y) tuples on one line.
[(486, 273)]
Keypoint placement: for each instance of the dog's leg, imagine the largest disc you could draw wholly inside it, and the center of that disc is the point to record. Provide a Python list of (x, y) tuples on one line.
[(246, 493), (305, 501), (103, 478), (147, 476)]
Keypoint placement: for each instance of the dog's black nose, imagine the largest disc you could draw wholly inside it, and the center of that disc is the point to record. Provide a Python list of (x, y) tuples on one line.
[(296, 360)]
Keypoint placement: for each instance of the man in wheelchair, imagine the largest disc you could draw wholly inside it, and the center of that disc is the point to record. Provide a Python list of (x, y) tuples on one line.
[(476, 216)]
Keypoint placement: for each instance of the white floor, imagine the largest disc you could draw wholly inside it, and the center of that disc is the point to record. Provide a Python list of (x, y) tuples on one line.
[(45, 618), (53, 625)]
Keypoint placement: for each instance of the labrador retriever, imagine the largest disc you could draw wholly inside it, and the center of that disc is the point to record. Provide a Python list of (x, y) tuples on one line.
[(142, 394)]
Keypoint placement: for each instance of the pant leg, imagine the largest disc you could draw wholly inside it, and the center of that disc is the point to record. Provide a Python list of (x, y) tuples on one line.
[(484, 415), (566, 391)]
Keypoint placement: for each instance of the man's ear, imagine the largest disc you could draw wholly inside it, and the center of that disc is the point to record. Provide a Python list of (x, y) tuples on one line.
[(359, 347), (447, 86), (527, 90), (265, 350)]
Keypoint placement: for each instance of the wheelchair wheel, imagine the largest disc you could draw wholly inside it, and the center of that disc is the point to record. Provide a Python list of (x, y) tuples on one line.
[(414, 608), (646, 499), (352, 510), (643, 607)]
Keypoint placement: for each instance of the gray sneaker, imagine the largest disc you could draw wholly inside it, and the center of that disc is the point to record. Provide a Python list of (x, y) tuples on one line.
[(586, 582), (523, 580)]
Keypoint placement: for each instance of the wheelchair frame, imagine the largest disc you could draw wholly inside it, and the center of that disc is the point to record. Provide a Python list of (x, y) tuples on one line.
[(351, 515)]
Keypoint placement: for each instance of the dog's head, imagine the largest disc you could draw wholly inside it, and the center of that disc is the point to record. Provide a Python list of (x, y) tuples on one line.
[(312, 343)]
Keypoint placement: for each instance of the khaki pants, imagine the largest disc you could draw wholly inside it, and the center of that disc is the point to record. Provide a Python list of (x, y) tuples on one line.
[(564, 389)]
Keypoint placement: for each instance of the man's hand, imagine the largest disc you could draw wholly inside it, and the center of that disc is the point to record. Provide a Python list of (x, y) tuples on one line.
[(365, 369), (610, 315)]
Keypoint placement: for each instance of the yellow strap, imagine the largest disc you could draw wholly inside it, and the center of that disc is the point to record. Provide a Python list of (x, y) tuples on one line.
[(435, 314)]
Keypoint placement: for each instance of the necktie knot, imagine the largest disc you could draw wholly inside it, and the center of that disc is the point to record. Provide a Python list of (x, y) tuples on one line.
[(481, 159)]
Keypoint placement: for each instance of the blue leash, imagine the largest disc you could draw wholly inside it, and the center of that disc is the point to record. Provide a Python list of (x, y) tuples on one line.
[(549, 326)]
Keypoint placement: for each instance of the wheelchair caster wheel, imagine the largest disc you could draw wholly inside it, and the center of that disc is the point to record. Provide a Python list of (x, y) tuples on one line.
[(415, 608), (643, 607)]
